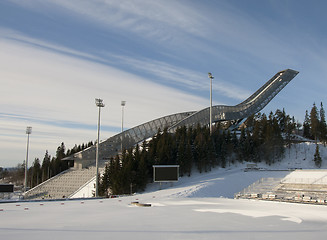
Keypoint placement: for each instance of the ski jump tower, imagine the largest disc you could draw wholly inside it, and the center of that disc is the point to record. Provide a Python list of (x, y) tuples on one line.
[(238, 113), (70, 183)]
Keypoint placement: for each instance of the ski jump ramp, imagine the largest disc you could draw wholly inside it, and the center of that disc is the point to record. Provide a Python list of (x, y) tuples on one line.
[(74, 180), (255, 103)]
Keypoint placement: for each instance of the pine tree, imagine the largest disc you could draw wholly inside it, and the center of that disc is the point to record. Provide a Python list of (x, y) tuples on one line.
[(181, 161), (314, 122), (281, 118), (104, 186), (323, 125), (278, 141), (142, 173), (60, 153), (289, 128), (242, 146), (317, 158), (200, 152), (306, 126), (115, 176), (229, 147), (36, 173), (189, 159), (46, 166)]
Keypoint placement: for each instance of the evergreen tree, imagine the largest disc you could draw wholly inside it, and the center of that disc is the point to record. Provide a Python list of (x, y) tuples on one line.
[(277, 140), (242, 146), (142, 173), (59, 165), (60, 153), (250, 121), (314, 122), (211, 154), (200, 151), (281, 118), (46, 166), (268, 135), (229, 147), (115, 176), (223, 154), (323, 125), (181, 161), (36, 173), (189, 159), (290, 126), (104, 185), (306, 126), (317, 158)]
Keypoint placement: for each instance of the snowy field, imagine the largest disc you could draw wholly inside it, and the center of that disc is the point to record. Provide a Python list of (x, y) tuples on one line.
[(197, 207)]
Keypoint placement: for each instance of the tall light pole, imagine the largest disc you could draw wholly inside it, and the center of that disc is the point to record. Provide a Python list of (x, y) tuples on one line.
[(99, 103), (211, 77), (123, 103), (28, 132)]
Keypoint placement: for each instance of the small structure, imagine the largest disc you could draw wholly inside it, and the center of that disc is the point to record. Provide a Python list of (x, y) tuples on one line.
[(6, 191), (165, 173), (251, 167)]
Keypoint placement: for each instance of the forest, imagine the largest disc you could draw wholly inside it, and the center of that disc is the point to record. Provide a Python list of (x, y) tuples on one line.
[(262, 138)]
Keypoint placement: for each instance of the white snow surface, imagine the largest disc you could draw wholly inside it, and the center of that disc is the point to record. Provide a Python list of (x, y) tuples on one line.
[(196, 207)]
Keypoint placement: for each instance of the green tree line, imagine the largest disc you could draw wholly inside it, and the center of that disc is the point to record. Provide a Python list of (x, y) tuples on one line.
[(315, 128), (262, 139), (195, 149)]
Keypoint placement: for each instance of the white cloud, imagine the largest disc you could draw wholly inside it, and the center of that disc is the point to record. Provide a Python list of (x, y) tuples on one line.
[(185, 78), (153, 19), (184, 25), (140, 16), (50, 84), (43, 137), (46, 89)]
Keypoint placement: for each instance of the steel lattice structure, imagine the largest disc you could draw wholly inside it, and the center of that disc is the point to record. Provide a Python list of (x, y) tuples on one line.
[(255, 103)]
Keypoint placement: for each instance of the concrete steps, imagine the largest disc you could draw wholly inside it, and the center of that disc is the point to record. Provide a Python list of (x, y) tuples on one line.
[(61, 185)]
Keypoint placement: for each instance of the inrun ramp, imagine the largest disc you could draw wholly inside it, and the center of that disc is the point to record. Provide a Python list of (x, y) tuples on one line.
[(255, 103)]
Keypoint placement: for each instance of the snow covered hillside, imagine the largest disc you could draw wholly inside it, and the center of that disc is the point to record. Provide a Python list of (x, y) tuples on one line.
[(225, 182), (197, 207)]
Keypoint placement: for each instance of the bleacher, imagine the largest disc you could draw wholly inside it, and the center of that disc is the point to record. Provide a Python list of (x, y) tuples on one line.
[(260, 188), (304, 186), (62, 185)]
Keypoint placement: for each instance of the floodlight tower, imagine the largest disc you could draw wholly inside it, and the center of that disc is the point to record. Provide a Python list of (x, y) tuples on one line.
[(28, 132), (123, 103), (99, 103), (211, 77)]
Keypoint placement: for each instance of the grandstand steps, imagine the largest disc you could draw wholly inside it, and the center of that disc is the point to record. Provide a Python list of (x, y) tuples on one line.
[(260, 187), (302, 187), (62, 185), (300, 190)]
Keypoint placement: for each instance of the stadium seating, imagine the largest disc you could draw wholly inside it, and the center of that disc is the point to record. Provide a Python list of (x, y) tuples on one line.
[(62, 185), (305, 186)]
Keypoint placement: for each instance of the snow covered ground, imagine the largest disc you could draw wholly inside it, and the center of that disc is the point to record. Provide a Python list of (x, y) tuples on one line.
[(197, 207)]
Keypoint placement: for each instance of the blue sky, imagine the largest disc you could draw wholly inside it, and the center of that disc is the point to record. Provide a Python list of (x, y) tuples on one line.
[(58, 56)]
